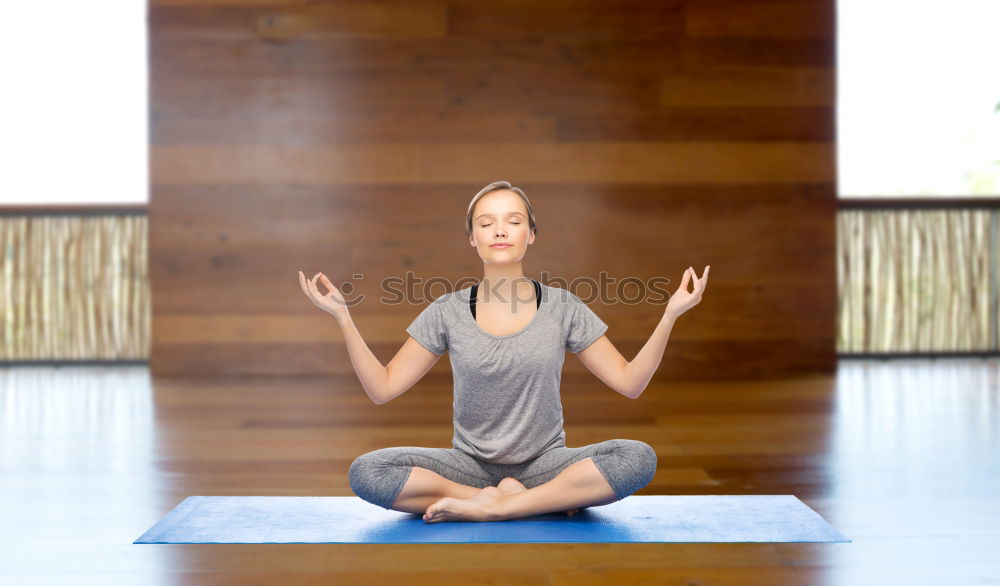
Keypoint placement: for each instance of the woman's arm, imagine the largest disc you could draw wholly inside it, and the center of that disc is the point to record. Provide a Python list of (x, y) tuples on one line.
[(628, 378), (631, 378), (385, 383), (381, 383), (645, 363), (373, 376)]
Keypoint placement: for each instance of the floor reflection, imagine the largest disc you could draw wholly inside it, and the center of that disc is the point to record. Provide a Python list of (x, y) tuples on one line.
[(915, 469), (76, 453), (916, 428)]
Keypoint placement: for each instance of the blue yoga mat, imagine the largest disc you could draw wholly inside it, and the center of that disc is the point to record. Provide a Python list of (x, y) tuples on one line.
[(637, 518)]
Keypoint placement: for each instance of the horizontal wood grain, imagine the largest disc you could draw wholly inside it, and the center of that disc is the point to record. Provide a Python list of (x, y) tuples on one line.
[(202, 58), (569, 20), (751, 86), (731, 51), (694, 359), (622, 162), (294, 127), (348, 138), (760, 18), (274, 22)]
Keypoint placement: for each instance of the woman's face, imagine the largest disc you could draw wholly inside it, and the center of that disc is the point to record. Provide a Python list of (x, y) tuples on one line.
[(501, 216)]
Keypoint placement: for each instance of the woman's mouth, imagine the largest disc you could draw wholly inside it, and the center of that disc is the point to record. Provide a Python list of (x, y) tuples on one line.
[(500, 246)]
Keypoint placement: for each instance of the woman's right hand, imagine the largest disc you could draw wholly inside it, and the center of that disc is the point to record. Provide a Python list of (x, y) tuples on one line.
[(332, 303)]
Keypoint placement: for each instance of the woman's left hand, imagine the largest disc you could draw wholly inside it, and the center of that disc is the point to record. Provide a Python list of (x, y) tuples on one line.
[(683, 300)]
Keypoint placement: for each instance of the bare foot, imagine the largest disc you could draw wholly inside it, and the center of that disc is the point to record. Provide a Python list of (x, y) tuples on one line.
[(482, 507), (511, 485)]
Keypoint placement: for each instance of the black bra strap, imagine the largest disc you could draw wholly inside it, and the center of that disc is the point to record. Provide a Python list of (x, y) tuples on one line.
[(475, 290)]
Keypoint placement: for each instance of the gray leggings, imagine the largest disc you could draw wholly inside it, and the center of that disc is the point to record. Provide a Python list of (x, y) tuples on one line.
[(378, 477)]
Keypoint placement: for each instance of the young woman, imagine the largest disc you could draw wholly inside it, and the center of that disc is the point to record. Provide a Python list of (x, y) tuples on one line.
[(506, 337)]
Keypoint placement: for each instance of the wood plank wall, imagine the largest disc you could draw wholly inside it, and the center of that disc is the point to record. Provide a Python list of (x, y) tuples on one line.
[(348, 138)]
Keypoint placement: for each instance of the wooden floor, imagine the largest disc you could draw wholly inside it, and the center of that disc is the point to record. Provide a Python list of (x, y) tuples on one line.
[(901, 456)]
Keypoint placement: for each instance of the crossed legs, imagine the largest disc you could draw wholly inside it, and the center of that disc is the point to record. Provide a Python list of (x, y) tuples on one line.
[(580, 485), (425, 487), (447, 484)]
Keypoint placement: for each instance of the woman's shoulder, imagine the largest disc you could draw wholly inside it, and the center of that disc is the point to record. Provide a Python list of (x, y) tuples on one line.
[(559, 299), (558, 292), (450, 300)]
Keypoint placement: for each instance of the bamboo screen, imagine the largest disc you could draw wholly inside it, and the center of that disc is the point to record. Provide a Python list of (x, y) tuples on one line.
[(920, 281), (74, 288)]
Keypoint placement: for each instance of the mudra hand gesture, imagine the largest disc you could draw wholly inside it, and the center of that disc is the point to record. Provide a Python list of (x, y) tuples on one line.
[(332, 302), (683, 300)]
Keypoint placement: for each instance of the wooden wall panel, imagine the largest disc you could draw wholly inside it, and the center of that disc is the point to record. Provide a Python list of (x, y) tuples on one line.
[(348, 138)]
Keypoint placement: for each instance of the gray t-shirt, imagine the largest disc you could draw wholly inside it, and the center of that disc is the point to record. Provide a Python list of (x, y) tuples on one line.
[(507, 408)]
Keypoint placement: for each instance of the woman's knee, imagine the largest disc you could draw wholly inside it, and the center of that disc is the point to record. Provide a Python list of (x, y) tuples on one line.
[(639, 459), (362, 468), (377, 477), (645, 460)]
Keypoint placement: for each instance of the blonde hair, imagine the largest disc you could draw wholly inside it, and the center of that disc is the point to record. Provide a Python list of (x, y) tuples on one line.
[(495, 186)]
